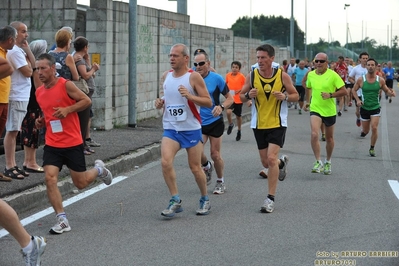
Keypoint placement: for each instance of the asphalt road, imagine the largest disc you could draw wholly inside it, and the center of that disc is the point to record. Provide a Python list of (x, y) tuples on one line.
[(345, 216)]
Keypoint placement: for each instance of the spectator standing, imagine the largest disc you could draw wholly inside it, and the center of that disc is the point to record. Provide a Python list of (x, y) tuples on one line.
[(29, 132), (87, 71), (22, 60), (8, 36)]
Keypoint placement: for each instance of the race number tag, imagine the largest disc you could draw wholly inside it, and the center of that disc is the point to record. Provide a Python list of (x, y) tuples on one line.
[(177, 112), (56, 126)]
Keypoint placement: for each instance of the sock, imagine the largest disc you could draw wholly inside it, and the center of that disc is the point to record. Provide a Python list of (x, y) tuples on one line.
[(99, 169), (28, 249), (88, 139), (371, 147), (204, 198), (61, 214), (220, 180), (320, 162), (327, 161), (176, 198), (270, 197)]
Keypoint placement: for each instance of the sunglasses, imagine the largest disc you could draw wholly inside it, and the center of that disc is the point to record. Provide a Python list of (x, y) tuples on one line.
[(319, 61), (199, 64)]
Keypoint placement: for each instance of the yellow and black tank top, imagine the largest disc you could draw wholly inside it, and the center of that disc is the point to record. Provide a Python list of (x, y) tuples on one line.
[(267, 111)]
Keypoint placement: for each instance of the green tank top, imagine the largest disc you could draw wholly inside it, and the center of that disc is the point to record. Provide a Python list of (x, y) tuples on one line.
[(370, 94)]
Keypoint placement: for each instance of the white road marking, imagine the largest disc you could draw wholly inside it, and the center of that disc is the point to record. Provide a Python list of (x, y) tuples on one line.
[(395, 187), (43, 213), (386, 153)]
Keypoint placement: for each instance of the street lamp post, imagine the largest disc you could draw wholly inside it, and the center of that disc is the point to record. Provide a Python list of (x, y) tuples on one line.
[(347, 26)]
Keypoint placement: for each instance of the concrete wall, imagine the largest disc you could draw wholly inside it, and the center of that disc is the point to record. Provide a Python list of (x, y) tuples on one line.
[(106, 25)]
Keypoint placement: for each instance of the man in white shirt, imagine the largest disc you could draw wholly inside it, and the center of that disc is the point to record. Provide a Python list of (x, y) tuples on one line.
[(22, 59)]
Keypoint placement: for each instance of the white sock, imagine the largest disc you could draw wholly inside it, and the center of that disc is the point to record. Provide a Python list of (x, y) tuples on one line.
[(220, 180), (28, 248)]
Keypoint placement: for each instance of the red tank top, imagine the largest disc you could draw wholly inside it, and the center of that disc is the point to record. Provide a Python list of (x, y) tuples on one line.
[(57, 96)]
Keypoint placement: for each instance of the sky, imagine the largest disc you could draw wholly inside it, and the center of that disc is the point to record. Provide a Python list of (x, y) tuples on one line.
[(324, 19)]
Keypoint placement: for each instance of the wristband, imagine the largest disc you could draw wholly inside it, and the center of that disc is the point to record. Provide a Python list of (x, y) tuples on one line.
[(331, 95), (247, 95)]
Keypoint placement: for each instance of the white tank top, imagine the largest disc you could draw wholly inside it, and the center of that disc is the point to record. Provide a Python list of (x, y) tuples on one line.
[(179, 114)]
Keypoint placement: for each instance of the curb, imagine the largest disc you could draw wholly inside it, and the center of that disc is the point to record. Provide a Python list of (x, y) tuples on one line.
[(37, 197)]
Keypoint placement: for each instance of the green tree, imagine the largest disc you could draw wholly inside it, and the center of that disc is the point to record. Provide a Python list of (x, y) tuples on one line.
[(271, 28)]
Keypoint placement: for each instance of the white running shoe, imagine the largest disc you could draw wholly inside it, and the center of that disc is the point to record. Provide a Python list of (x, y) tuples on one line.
[(208, 173), (263, 173), (219, 188), (34, 257), (106, 176), (268, 206), (283, 171), (61, 226)]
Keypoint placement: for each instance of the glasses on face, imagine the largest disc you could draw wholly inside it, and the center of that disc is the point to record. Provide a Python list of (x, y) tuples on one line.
[(319, 61), (199, 63)]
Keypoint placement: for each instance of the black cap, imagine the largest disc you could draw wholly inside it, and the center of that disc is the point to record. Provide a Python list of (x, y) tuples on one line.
[(199, 51)]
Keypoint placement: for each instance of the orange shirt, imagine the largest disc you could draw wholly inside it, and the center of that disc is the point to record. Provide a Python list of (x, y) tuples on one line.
[(235, 84), (5, 83), (57, 96)]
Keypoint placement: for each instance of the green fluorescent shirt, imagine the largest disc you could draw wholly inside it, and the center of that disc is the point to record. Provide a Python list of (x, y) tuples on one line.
[(329, 82)]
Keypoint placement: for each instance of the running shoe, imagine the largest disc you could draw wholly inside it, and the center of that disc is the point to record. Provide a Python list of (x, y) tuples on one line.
[(300, 111), (317, 167), (339, 113), (34, 257), (362, 134), (358, 123), (323, 137), (263, 173), (283, 171), (61, 226), (230, 128), (268, 206), (219, 188), (238, 137), (208, 173), (106, 175), (204, 207), (92, 143), (372, 152), (390, 100), (174, 207), (327, 168)]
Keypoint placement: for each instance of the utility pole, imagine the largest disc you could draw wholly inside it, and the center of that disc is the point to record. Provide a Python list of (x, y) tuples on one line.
[(347, 26), (292, 29), (181, 6)]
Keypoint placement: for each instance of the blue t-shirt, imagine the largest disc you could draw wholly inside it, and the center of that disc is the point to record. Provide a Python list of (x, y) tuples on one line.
[(389, 72), (216, 85), (299, 74)]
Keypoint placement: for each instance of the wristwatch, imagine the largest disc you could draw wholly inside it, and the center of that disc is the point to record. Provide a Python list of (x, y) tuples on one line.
[(331, 95), (247, 95), (286, 97), (222, 107)]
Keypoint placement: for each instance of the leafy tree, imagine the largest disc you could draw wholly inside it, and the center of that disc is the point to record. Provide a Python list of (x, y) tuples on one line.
[(276, 29)]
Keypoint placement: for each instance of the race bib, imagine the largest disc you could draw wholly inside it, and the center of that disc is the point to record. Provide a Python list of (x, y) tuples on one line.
[(177, 112), (56, 126)]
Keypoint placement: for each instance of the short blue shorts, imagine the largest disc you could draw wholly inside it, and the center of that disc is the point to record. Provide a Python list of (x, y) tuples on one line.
[(186, 139)]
